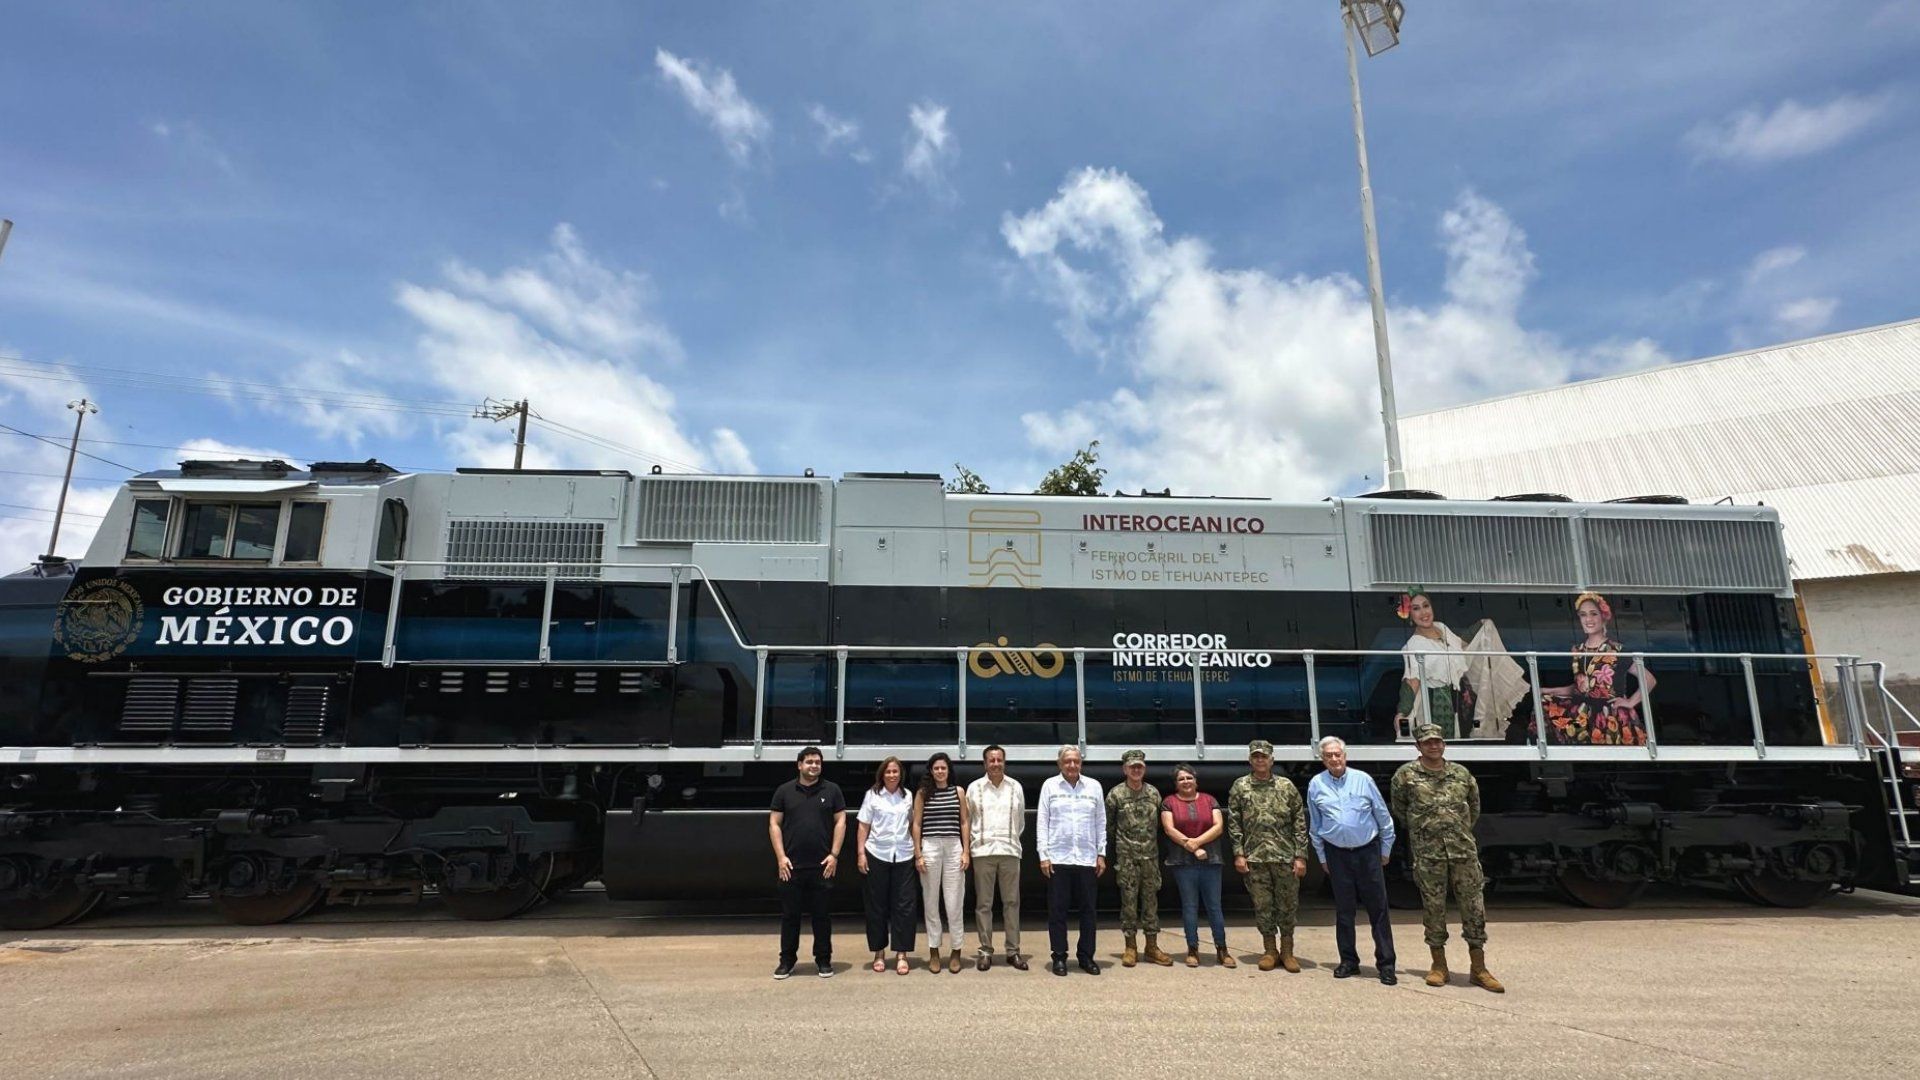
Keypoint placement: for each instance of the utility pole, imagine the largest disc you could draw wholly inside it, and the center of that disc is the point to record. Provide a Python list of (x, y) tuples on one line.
[(500, 410), (81, 408)]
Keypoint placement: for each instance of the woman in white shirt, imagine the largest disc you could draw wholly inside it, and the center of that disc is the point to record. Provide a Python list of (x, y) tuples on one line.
[(1434, 657), (886, 859)]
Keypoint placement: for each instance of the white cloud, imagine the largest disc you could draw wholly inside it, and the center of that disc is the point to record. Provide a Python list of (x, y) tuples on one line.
[(573, 336), (1229, 380), (1807, 315), (712, 94), (191, 141), (1774, 260), (930, 148), (1750, 136), (838, 132), (207, 447)]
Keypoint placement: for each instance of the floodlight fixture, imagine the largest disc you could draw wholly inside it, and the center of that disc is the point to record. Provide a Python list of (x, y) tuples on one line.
[(1377, 22)]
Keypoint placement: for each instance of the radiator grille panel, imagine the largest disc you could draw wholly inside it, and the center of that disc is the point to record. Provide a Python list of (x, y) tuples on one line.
[(729, 512), (150, 707), (1675, 554), (478, 548), (306, 717), (210, 708), (1454, 549)]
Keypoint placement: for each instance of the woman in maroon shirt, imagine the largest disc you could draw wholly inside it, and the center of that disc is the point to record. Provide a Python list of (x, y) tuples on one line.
[(1193, 821)]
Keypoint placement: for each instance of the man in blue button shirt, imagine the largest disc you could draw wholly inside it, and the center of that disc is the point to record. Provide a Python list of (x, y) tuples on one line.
[(1352, 835)]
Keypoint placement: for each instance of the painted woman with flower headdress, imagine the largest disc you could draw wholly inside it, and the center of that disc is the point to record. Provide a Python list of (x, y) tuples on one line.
[(1471, 685), (1601, 707), (1435, 657)]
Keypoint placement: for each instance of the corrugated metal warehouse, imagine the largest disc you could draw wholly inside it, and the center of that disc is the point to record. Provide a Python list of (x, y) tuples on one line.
[(1826, 430)]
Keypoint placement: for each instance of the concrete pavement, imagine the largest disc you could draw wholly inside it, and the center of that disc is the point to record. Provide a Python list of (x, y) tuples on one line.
[(1684, 984)]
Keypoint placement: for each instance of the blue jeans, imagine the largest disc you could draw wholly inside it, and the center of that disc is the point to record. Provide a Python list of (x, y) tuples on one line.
[(1197, 882)]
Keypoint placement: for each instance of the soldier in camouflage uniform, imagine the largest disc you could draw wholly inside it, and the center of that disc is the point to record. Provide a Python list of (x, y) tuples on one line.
[(1439, 801), (1133, 821), (1267, 820)]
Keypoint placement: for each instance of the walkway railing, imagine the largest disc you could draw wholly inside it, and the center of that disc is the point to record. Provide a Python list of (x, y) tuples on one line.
[(1850, 670)]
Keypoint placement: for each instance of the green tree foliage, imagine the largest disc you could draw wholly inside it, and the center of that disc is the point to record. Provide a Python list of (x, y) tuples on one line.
[(1080, 476), (966, 481)]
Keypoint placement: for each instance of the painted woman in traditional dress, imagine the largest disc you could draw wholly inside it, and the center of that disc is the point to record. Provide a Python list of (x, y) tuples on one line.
[(1434, 657), (1471, 686), (1601, 707)]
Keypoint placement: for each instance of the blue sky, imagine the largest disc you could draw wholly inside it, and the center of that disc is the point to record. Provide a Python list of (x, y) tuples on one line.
[(768, 236)]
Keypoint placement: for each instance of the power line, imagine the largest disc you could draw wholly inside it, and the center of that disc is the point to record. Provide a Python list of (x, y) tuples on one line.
[(56, 476), (605, 443), (55, 442), (225, 386), (48, 510)]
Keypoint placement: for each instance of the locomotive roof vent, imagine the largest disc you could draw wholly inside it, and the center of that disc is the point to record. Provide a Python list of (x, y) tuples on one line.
[(1532, 496), (369, 467), (1652, 500), (236, 468), (935, 477), (1401, 493)]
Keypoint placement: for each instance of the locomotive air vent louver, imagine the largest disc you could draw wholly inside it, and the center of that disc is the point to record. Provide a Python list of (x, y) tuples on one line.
[(586, 682), (634, 682), (452, 682), (306, 717), (501, 550), (498, 682), (211, 703), (1675, 553), (150, 706), (1470, 549), (728, 511)]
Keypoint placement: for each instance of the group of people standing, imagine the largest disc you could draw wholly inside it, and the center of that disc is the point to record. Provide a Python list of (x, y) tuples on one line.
[(935, 835)]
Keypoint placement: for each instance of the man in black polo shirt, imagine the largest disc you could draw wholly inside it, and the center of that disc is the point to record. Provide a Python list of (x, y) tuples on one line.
[(808, 822)]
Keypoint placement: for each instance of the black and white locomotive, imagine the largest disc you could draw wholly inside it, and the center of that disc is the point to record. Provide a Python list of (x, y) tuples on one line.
[(284, 687)]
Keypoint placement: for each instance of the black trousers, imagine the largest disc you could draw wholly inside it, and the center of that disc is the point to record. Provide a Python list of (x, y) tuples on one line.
[(1357, 876), (807, 892), (1070, 887), (891, 892)]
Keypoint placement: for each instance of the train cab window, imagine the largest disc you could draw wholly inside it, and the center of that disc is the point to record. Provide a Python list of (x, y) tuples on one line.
[(229, 531), (149, 537), (391, 544), (305, 526)]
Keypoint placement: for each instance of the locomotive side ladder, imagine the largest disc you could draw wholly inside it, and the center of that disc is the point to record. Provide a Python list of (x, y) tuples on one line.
[(1895, 745)]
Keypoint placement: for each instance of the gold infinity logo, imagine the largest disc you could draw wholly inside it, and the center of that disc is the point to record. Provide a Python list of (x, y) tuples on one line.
[(1043, 660)]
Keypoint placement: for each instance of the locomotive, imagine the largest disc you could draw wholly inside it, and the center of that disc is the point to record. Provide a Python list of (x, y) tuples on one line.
[(284, 687)]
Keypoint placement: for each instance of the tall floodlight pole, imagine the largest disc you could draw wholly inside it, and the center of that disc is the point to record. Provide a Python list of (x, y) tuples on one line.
[(81, 408), (1377, 24), (6, 230)]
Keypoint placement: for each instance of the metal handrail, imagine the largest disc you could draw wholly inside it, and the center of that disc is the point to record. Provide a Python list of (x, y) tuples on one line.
[(550, 572)]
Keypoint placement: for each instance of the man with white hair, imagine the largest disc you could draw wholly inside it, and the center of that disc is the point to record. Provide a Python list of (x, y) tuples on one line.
[(1071, 837), (1352, 834)]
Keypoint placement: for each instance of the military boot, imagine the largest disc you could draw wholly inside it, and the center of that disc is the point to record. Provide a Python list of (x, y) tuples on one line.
[(1483, 978), (1131, 955), (1154, 954), (1437, 975), (1287, 959), (1269, 959)]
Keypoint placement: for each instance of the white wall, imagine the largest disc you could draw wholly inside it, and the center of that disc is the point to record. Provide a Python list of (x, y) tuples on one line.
[(1875, 616)]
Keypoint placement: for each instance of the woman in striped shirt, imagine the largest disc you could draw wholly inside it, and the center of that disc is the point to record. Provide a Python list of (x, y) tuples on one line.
[(940, 853)]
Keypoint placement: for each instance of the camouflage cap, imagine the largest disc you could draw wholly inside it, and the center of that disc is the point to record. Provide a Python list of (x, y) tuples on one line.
[(1259, 746), (1132, 756), (1428, 731)]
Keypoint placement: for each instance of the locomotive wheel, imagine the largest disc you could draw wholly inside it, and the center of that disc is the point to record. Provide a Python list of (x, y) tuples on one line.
[(1775, 891), (526, 890), (269, 908), (1589, 891), (63, 905)]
